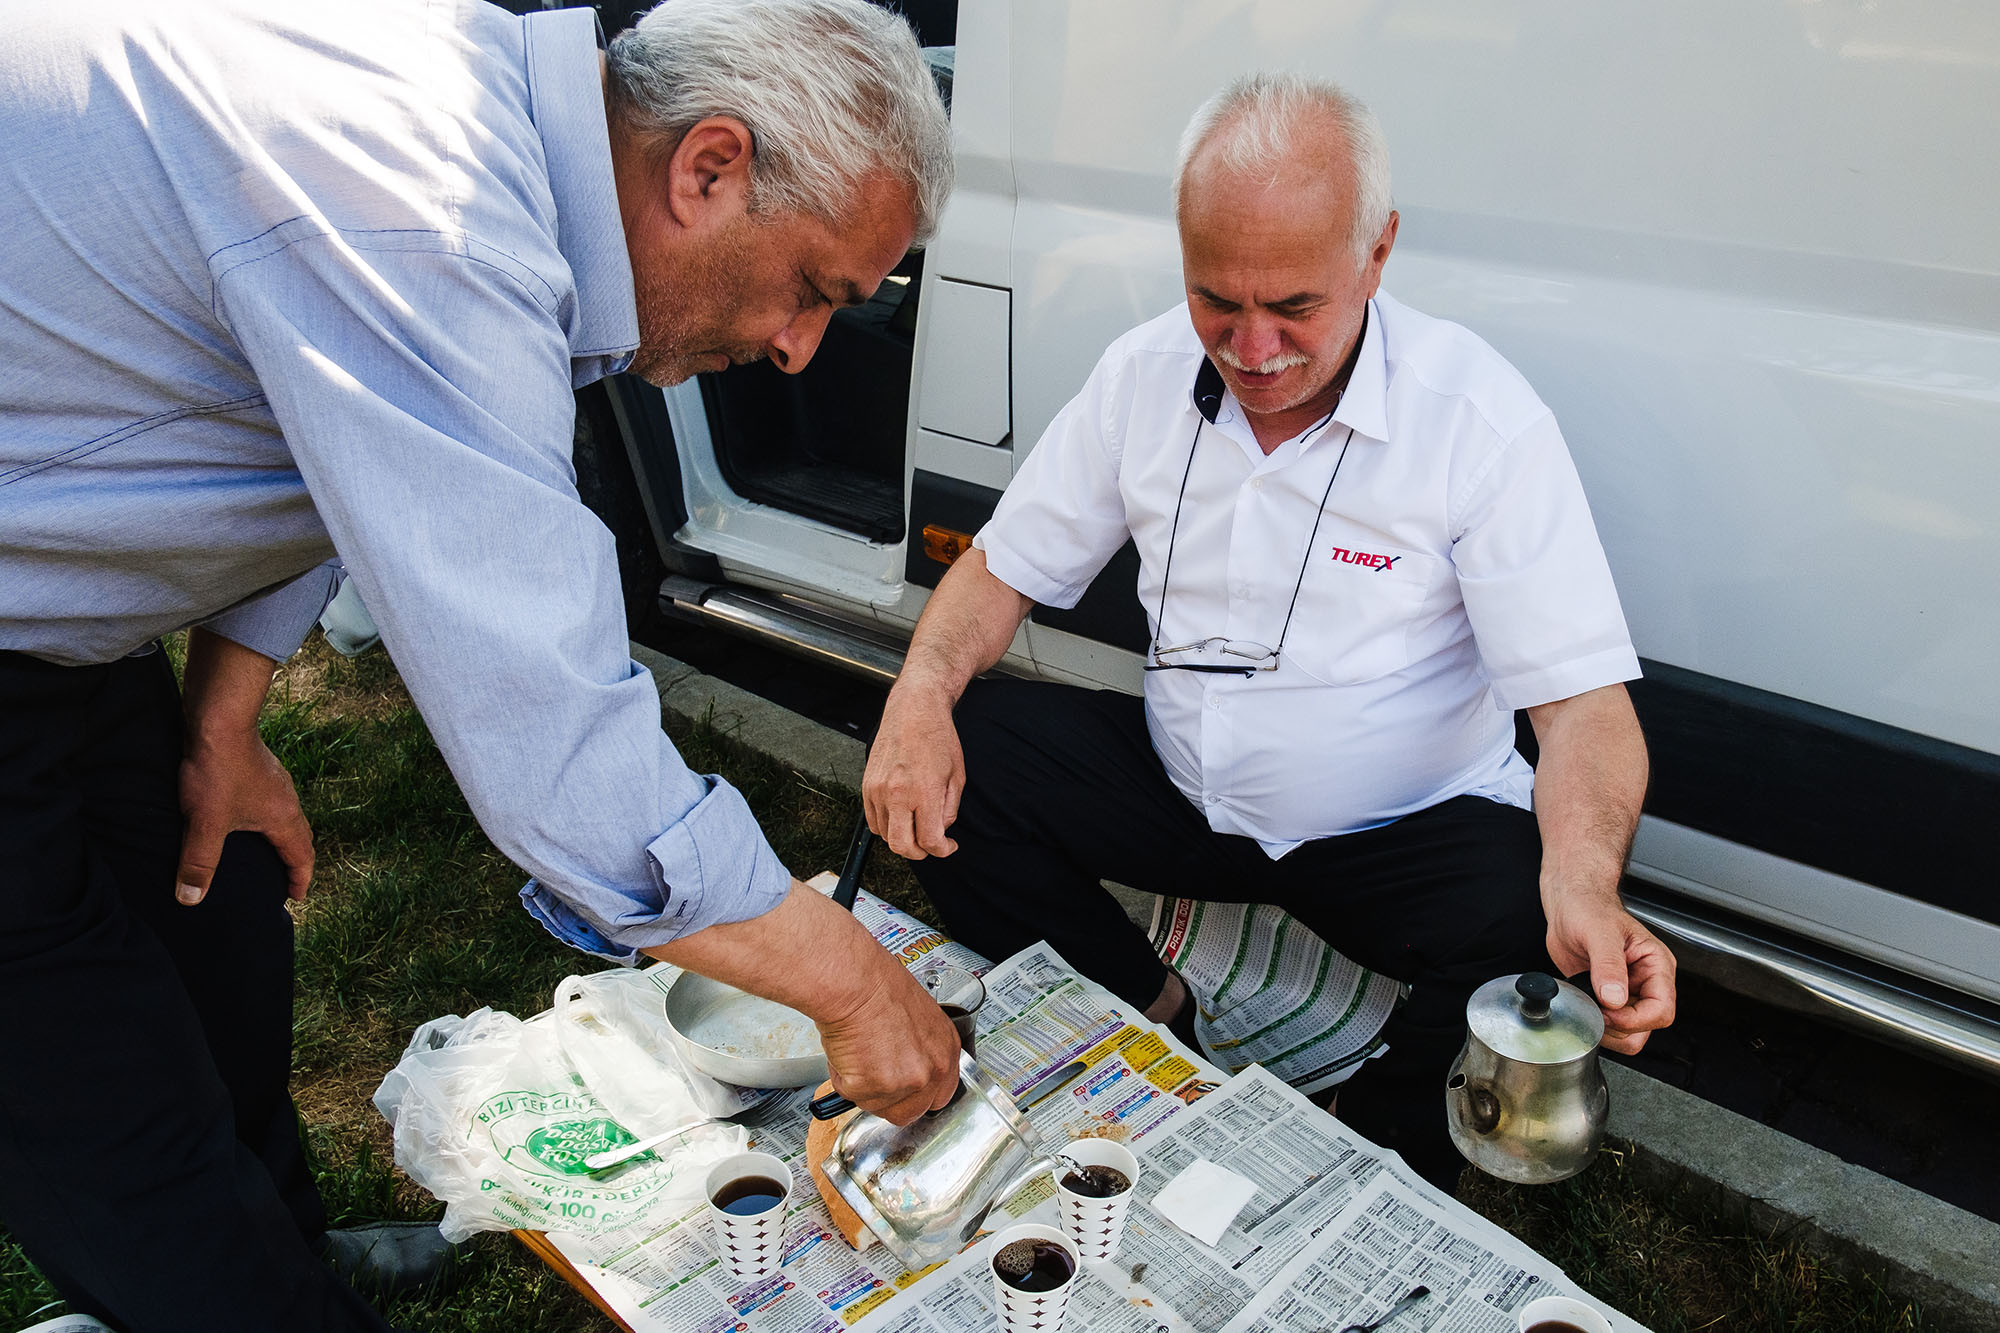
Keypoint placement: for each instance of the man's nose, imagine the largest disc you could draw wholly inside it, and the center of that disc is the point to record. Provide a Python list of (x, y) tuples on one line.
[(1256, 341), (795, 344)]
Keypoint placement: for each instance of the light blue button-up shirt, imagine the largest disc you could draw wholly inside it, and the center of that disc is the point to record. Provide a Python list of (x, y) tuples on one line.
[(289, 281)]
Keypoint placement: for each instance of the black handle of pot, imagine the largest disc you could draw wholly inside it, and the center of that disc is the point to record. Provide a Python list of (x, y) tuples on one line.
[(1537, 991), (830, 1107), (850, 874)]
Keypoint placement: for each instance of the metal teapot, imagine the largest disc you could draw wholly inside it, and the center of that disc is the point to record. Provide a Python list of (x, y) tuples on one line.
[(1525, 1100), (925, 1189)]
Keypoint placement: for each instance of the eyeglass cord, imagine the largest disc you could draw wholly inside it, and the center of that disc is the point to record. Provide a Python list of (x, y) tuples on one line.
[(1173, 531)]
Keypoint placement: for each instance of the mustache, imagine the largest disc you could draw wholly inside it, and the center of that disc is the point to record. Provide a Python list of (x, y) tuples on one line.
[(1282, 361)]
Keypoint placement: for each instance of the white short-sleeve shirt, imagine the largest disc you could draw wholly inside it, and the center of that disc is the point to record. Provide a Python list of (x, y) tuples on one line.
[(1454, 575)]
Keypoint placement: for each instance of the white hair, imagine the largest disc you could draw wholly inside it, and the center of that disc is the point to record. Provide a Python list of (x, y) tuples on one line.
[(1255, 124), (832, 91)]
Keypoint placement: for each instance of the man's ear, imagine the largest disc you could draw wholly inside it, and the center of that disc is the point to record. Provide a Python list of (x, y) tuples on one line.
[(1379, 256), (708, 172)]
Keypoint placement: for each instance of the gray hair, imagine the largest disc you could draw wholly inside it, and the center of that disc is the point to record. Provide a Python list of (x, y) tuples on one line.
[(1255, 122), (831, 90)]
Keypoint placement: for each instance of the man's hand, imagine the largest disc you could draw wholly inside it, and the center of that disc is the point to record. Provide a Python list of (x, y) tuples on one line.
[(234, 784), (1589, 785), (916, 769), (229, 781), (889, 1048), (895, 1055), (916, 773), (1631, 972)]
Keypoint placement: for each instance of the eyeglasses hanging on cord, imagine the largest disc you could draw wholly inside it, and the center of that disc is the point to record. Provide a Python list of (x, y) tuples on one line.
[(1256, 655)]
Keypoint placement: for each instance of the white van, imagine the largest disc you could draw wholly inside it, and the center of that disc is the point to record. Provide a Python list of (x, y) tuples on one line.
[(1749, 253)]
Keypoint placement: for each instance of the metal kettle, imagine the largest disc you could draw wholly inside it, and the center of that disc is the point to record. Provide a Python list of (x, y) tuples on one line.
[(925, 1189), (1525, 1100)]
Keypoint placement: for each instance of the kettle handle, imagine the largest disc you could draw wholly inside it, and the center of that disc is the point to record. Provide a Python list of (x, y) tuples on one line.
[(833, 1105)]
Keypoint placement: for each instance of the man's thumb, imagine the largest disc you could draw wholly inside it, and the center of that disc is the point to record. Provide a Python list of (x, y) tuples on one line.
[(200, 850), (1607, 973)]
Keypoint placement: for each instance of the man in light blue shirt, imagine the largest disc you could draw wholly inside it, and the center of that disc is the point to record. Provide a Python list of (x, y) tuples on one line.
[(291, 282)]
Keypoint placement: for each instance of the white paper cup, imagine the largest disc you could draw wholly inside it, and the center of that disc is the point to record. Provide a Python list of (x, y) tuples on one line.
[(749, 1245), (1095, 1225), (1031, 1311), (1565, 1309)]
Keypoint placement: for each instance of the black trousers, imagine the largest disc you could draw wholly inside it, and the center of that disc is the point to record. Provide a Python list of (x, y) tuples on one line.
[(1063, 788), (150, 1161)]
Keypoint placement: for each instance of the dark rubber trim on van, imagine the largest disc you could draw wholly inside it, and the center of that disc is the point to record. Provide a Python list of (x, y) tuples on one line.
[(1893, 808)]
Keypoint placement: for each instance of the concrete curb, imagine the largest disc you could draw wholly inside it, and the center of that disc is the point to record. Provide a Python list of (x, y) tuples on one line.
[(1944, 1257)]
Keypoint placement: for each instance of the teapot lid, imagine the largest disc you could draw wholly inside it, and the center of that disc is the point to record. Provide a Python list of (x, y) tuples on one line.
[(1535, 1018)]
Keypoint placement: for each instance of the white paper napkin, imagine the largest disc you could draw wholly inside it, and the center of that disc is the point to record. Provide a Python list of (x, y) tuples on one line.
[(1204, 1199)]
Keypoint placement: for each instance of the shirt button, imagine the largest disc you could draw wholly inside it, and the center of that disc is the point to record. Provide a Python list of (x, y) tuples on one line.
[(1256, 483), (1211, 800), (1214, 702)]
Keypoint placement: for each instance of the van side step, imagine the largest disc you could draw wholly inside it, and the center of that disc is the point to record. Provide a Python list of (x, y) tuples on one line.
[(785, 622), (1793, 978)]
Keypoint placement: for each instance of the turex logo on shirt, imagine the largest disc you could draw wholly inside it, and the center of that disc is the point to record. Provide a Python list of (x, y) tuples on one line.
[(1378, 563)]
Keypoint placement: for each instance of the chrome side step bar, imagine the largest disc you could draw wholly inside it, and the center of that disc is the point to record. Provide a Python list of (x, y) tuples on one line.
[(785, 622), (1815, 986)]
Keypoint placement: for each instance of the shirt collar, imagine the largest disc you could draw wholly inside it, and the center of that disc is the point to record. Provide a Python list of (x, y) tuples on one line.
[(1363, 405), (566, 90)]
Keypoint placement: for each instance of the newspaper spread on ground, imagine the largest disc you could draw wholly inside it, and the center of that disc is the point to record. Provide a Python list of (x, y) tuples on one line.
[(1039, 1017), (1272, 993), (1336, 1231)]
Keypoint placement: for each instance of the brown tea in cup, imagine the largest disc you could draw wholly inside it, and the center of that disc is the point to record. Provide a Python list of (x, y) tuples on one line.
[(748, 1196), (1096, 1182), (1033, 1265)]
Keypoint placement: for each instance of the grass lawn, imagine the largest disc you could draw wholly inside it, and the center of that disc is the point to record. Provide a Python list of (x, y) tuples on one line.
[(413, 914)]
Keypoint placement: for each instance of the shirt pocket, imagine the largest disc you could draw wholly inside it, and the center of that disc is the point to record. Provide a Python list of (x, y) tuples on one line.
[(1358, 607)]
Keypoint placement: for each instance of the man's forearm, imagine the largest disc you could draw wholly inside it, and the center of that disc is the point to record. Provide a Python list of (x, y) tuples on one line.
[(806, 952), (1589, 785), (223, 686), (888, 1045), (964, 630)]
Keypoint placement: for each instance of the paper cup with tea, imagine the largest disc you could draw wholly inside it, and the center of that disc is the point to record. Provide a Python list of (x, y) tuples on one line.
[(747, 1197), (1034, 1271), (1094, 1183), (1562, 1314)]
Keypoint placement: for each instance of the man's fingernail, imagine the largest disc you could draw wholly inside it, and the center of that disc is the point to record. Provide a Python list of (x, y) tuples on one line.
[(1614, 995), (188, 894)]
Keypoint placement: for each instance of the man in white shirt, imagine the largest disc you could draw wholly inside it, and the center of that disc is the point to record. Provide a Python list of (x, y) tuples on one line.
[(1363, 546)]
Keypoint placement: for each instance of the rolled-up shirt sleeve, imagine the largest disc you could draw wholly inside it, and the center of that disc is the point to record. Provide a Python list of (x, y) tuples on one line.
[(425, 394), (276, 622)]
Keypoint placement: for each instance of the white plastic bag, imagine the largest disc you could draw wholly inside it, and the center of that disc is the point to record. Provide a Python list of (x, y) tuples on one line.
[(494, 1115)]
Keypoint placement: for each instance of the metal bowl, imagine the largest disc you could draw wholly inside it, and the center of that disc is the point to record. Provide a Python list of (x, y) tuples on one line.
[(736, 1037)]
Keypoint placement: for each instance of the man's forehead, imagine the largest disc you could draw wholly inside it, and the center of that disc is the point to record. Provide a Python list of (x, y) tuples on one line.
[(850, 256)]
